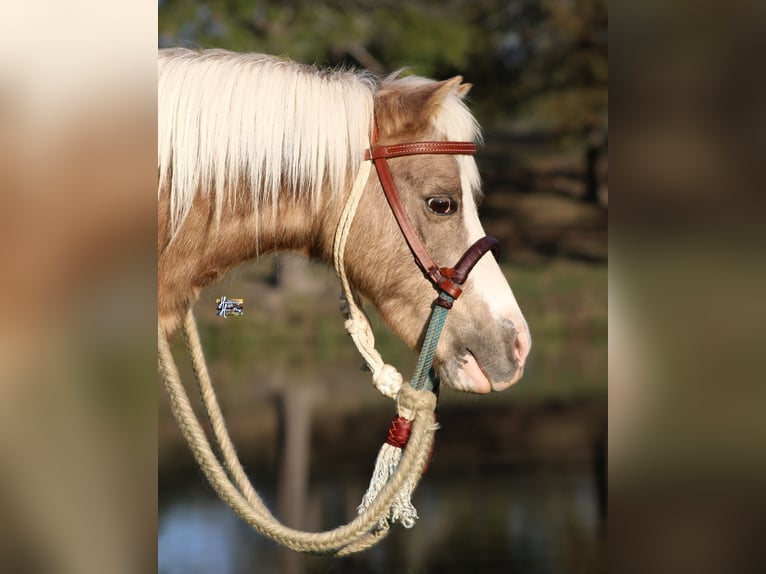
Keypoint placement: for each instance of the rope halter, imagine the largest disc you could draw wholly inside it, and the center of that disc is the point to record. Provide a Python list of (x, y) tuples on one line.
[(448, 282)]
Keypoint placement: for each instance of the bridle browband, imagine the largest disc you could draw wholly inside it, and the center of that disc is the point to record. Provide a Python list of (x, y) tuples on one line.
[(446, 279)]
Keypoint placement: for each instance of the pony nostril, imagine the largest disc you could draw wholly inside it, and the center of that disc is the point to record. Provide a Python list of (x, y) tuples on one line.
[(521, 347)]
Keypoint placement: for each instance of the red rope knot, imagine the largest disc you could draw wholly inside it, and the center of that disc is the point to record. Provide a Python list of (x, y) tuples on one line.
[(399, 432)]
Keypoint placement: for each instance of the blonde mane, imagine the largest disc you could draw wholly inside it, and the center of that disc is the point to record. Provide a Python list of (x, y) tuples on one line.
[(229, 120)]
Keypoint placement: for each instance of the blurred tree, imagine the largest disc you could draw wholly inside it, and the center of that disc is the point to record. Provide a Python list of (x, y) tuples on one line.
[(545, 58), (540, 67)]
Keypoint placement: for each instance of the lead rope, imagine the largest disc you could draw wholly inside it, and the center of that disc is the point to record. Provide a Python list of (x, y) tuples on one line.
[(231, 482), (385, 377)]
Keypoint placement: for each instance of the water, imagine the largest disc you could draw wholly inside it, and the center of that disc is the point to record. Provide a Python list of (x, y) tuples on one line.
[(491, 516)]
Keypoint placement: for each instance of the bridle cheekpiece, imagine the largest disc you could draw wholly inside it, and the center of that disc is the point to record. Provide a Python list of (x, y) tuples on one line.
[(448, 280)]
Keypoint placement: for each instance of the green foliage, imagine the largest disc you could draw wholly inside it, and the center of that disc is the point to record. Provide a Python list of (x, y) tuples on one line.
[(547, 58)]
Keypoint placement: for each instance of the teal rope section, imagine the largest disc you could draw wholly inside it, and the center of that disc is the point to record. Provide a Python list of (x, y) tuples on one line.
[(423, 377)]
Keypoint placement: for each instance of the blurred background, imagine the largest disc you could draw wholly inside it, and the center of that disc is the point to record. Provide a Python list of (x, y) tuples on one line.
[(78, 383), (79, 396), (518, 479)]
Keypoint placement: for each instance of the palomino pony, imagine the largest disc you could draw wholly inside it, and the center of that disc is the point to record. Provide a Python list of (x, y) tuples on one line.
[(258, 154)]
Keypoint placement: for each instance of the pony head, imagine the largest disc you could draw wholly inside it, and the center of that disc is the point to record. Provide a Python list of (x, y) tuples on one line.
[(486, 340)]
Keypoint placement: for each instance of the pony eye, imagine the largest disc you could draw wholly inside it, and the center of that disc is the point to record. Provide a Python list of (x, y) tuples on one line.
[(442, 205)]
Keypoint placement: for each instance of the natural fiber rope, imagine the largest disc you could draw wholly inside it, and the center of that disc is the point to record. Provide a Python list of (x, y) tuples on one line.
[(231, 482), (385, 377), (361, 533)]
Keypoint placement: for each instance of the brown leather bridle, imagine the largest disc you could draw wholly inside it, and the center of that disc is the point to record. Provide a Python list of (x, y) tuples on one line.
[(446, 279)]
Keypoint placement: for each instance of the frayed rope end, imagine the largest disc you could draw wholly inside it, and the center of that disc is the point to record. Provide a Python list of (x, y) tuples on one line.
[(402, 510)]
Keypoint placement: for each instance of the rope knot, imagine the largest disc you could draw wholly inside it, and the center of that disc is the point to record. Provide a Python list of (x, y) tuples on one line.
[(388, 381), (410, 401), (361, 334), (353, 327), (399, 432)]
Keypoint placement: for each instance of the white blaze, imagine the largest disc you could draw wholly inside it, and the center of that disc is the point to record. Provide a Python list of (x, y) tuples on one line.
[(487, 277)]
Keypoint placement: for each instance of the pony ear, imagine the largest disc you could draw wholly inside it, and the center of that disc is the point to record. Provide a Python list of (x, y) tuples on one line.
[(407, 108), (440, 92)]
